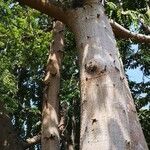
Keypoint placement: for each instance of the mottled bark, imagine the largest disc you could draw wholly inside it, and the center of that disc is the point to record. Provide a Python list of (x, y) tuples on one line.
[(108, 116), (50, 134)]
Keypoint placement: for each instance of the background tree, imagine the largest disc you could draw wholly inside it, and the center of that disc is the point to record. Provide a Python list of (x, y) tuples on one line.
[(22, 65)]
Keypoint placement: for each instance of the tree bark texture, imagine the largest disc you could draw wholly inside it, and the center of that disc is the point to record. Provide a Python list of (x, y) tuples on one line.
[(8, 136), (50, 134), (108, 116)]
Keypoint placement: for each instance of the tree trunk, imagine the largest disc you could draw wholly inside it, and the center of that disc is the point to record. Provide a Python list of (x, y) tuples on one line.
[(108, 116), (8, 136), (50, 134)]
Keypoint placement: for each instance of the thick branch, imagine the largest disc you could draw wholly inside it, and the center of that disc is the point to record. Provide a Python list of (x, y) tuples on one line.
[(121, 32), (46, 7), (32, 141)]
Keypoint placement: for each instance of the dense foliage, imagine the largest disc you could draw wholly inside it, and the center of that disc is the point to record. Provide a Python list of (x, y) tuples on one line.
[(25, 38), (24, 43)]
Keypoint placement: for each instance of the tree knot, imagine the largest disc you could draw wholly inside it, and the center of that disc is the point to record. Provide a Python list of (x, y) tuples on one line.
[(95, 66), (91, 67), (51, 137)]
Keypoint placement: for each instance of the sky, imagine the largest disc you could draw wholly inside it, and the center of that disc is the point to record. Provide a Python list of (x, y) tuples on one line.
[(136, 74)]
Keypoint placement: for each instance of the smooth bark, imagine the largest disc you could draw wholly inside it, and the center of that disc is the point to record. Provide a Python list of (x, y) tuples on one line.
[(108, 116), (50, 134), (48, 7)]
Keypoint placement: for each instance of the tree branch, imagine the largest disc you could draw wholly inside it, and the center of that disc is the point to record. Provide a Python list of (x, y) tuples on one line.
[(46, 7), (121, 32), (32, 141)]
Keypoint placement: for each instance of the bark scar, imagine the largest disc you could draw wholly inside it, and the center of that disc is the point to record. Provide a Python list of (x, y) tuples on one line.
[(94, 120), (98, 16), (91, 67), (51, 137)]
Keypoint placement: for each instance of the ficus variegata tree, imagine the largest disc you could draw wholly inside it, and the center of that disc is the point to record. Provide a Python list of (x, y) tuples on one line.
[(108, 115)]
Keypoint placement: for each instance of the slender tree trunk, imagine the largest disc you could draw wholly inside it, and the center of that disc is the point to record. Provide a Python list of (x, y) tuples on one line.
[(8, 136), (50, 135), (108, 116), (76, 123)]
